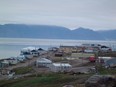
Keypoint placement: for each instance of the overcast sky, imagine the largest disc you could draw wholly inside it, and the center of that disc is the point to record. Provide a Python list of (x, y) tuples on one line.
[(94, 14)]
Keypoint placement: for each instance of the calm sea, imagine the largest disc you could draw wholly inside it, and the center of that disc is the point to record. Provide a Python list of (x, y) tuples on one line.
[(11, 46)]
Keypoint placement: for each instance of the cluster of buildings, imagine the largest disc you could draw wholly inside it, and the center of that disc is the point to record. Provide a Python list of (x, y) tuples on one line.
[(63, 51), (31, 52), (12, 61), (25, 54), (55, 67), (84, 48), (87, 48)]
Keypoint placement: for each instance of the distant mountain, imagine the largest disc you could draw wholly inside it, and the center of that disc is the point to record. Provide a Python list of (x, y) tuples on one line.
[(33, 31), (86, 34), (53, 32), (109, 34)]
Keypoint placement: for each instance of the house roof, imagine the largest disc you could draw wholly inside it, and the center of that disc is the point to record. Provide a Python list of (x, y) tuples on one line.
[(28, 48), (44, 60), (5, 62), (111, 61), (62, 64), (105, 57)]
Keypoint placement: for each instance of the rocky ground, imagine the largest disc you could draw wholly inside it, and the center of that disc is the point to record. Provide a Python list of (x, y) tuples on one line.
[(78, 65)]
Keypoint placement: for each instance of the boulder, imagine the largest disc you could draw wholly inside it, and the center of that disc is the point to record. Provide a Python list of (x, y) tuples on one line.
[(101, 81)]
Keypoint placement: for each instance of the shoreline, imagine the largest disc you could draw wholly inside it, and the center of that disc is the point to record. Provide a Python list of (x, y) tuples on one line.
[(15, 44)]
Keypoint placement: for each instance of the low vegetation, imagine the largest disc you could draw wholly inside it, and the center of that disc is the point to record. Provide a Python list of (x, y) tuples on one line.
[(46, 80), (23, 70), (110, 54), (103, 71)]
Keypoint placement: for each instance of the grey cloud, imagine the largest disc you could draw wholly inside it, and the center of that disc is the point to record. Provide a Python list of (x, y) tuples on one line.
[(96, 14)]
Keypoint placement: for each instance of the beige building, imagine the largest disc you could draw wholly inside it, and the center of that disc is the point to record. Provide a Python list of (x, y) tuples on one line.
[(68, 49), (71, 49)]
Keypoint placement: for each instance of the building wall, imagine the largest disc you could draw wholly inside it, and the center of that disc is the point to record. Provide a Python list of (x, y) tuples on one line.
[(43, 64), (67, 49), (60, 68)]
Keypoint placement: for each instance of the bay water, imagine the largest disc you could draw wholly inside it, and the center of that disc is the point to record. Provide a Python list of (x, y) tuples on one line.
[(10, 47)]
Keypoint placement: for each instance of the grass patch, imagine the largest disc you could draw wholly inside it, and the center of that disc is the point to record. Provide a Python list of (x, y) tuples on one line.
[(84, 55), (22, 70), (104, 71), (45, 80), (110, 54)]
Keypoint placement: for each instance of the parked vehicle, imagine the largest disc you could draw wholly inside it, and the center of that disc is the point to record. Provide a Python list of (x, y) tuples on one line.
[(92, 59)]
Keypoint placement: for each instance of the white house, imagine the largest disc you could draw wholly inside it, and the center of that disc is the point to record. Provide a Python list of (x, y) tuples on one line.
[(104, 59), (28, 49), (60, 67), (21, 58), (4, 63), (43, 62), (29, 52)]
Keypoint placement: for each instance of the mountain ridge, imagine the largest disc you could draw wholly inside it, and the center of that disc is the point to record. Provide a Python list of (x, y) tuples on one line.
[(54, 32)]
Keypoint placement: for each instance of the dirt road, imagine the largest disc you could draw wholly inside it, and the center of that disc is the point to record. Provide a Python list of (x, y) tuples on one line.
[(24, 64)]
